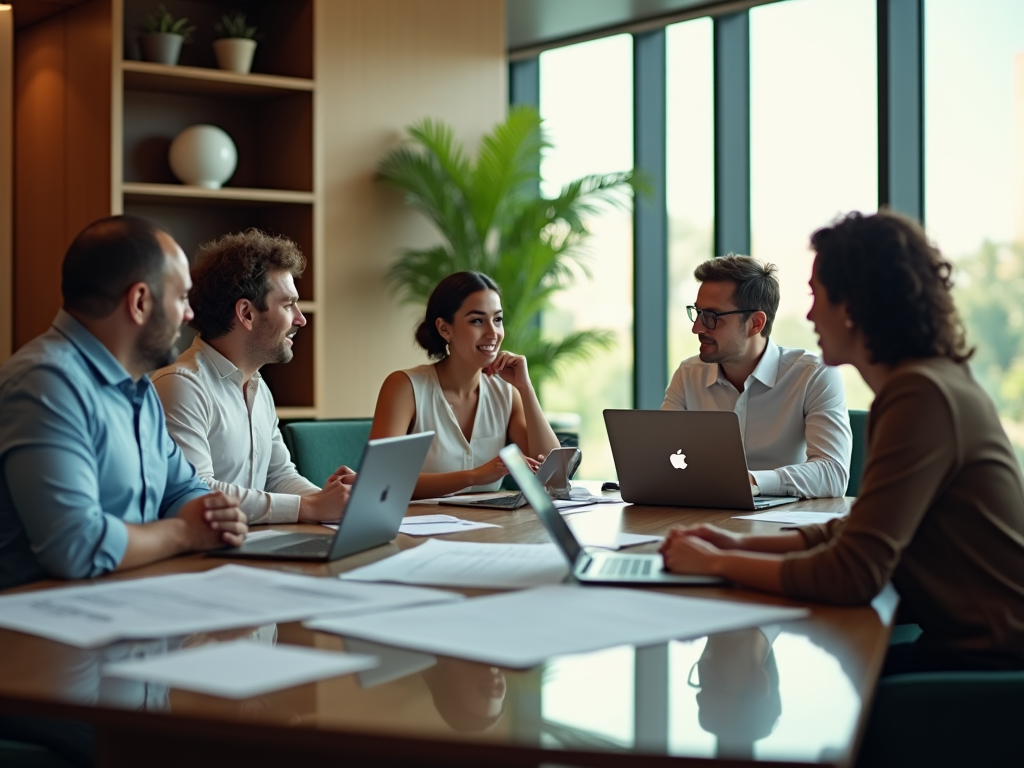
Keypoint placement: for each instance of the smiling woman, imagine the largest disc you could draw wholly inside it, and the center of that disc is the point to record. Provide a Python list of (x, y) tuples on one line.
[(475, 397)]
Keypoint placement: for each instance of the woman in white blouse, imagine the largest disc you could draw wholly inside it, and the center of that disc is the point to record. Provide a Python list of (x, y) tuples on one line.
[(476, 397)]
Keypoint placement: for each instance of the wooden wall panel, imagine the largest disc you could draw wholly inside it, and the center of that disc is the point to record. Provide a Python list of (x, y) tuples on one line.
[(379, 67), (6, 159), (62, 170)]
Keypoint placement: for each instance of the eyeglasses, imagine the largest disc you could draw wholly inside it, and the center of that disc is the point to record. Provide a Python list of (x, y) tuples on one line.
[(709, 318)]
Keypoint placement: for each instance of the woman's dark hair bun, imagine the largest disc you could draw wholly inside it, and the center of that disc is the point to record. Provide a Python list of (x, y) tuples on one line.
[(444, 302)]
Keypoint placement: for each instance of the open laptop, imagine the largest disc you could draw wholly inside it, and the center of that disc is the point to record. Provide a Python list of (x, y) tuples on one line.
[(683, 459), (557, 470), (593, 566), (384, 484)]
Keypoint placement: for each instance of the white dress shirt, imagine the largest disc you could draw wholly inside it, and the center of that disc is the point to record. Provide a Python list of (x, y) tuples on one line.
[(451, 451), (233, 440), (792, 414)]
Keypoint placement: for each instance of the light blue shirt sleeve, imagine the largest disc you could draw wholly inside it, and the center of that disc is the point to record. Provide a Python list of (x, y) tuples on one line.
[(53, 478)]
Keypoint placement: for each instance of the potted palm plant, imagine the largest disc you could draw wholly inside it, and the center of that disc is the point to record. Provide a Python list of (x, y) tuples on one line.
[(235, 43), (162, 36), (493, 219)]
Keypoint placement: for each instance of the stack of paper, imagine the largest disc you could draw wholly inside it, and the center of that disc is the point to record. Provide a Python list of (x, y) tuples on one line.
[(240, 669), (523, 629), (792, 517), (469, 564), (166, 606)]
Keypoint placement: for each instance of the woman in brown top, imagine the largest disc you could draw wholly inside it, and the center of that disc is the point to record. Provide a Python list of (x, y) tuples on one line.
[(941, 506)]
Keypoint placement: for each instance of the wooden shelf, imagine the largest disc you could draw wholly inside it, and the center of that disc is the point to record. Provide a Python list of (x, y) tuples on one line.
[(147, 76), (307, 307), (297, 413), (177, 193)]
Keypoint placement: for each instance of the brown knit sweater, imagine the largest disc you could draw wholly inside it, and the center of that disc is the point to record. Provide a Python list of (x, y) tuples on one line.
[(940, 513)]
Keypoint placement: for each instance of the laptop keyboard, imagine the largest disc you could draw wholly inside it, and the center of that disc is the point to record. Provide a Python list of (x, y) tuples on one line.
[(308, 547), (511, 502), (626, 566)]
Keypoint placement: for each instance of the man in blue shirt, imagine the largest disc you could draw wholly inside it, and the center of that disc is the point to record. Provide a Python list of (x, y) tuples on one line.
[(90, 481)]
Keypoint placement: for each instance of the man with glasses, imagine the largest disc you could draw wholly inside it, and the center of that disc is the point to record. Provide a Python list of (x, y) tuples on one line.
[(791, 406)]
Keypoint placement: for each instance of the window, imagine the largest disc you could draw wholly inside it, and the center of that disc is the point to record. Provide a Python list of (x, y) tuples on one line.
[(586, 100), (974, 182), (690, 173), (813, 142)]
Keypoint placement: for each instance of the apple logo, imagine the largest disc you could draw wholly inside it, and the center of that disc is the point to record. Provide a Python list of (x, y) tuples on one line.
[(678, 459), (384, 494)]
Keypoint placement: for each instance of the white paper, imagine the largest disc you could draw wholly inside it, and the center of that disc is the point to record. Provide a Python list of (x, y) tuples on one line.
[(166, 606), (240, 669), (523, 629), (434, 525), (791, 517), (469, 564), (619, 541)]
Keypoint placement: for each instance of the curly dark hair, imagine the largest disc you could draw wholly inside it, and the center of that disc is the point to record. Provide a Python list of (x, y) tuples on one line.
[(756, 284), (896, 286), (444, 302), (235, 267)]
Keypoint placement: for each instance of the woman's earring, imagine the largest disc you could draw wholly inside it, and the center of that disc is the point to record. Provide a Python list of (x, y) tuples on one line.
[(849, 324), (447, 350)]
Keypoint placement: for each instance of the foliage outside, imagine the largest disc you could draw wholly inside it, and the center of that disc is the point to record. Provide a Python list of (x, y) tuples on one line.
[(162, 22), (234, 25), (494, 220)]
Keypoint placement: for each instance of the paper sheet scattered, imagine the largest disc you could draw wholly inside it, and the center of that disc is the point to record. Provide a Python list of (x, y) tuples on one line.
[(523, 629), (791, 517), (469, 564), (433, 525), (166, 606), (619, 541), (240, 669)]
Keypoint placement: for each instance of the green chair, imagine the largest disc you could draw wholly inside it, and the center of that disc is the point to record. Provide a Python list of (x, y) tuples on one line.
[(945, 719), (859, 426), (320, 447)]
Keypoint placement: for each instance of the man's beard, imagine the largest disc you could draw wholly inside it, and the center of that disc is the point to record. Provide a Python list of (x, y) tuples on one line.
[(155, 346), (268, 347)]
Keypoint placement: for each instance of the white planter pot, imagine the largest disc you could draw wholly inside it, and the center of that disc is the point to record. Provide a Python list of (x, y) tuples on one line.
[(234, 53), (204, 156), (161, 47)]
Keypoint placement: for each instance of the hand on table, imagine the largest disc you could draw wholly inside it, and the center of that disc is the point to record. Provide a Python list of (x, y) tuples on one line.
[(212, 521), (328, 504)]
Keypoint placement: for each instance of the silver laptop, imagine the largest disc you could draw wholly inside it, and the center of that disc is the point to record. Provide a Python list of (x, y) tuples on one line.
[(557, 470), (384, 484), (594, 566), (683, 459)]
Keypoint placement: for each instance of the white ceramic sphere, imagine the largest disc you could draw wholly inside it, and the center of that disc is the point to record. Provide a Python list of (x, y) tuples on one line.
[(203, 155)]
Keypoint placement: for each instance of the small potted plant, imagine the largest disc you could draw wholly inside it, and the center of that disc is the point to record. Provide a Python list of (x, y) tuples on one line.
[(162, 36), (235, 43)]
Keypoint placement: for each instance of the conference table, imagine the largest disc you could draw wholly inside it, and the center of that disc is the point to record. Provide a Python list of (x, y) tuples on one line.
[(794, 694)]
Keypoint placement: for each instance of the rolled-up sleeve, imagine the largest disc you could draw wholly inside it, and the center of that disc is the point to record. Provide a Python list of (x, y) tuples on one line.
[(826, 472), (53, 478)]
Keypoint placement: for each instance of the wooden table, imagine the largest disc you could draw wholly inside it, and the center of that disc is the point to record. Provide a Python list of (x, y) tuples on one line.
[(805, 703)]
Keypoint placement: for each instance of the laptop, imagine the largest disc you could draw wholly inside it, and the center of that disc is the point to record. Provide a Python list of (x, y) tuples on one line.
[(594, 566), (683, 459), (556, 471), (386, 478)]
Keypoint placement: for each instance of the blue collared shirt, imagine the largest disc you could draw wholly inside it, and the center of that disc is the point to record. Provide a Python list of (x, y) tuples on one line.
[(83, 451)]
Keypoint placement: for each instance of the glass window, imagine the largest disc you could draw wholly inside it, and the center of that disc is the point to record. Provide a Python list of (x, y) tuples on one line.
[(974, 181), (690, 172), (586, 100), (813, 142)]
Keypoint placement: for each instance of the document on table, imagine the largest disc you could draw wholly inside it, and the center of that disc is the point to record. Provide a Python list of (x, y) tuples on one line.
[(469, 564), (523, 629), (166, 606), (791, 517), (618, 541), (240, 669), (433, 525)]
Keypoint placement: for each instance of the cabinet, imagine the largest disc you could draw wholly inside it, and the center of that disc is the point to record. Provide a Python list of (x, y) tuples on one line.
[(269, 114)]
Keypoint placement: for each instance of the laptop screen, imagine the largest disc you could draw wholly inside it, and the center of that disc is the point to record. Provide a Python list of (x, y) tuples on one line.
[(534, 492)]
